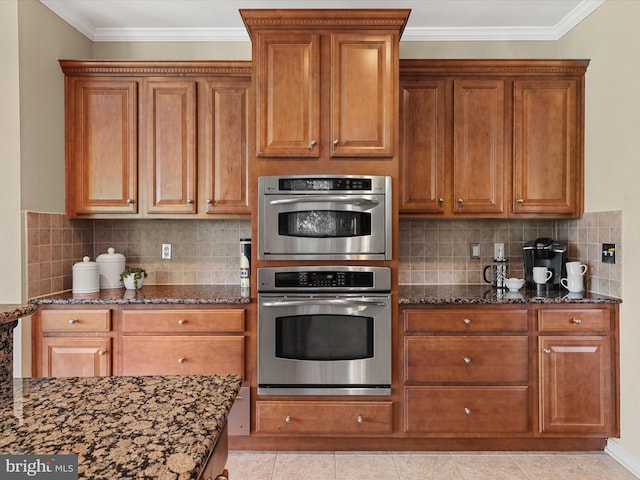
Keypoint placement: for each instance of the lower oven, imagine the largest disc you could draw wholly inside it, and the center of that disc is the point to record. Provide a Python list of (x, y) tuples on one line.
[(324, 330)]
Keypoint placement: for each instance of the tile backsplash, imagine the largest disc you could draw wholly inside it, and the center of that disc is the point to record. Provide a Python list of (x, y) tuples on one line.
[(207, 251)]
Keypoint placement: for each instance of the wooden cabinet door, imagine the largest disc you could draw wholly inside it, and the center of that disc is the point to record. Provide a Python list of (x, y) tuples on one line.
[(168, 137), (362, 95), (478, 148), (576, 385), (547, 166), (288, 95), (422, 146), (75, 357), (102, 148), (226, 131)]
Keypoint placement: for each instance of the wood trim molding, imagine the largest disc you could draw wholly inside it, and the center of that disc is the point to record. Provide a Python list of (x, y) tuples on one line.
[(155, 68)]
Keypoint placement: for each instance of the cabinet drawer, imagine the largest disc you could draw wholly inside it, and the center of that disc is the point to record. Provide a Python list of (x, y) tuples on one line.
[(466, 359), (471, 320), (166, 355), (183, 321), (573, 320), (306, 418), (474, 410), (75, 320)]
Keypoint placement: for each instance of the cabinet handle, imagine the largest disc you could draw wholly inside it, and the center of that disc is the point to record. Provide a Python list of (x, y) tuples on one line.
[(467, 360), (102, 353), (312, 144), (182, 322), (576, 321), (129, 201), (460, 201), (467, 410), (546, 350), (72, 321), (467, 321), (287, 419), (360, 419), (336, 142), (520, 200), (181, 360)]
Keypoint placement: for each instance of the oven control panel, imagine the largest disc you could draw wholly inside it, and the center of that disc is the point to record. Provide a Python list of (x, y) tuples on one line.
[(314, 278)]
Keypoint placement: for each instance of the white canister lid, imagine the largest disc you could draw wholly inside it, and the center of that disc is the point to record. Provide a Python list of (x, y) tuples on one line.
[(110, 256), (85, 264)]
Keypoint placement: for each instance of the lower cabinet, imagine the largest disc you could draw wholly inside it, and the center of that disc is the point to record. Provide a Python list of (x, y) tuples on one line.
[(330, 418)]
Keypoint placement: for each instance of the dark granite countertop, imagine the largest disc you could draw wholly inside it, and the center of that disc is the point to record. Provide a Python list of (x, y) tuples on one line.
[(158, 427), (484, 294), (151, 294), (12, 312)]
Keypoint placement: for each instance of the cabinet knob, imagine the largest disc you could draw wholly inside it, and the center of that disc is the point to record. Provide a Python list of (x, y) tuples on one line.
[(182, 322), (467, 410), (336, 142), (576, 321), (190, 201), (287, 419), (467, 321), (546, 350), (441, 201), (129, 201), (72, 321), (467, 360), (208, 201), (181, 360), (460, 201), (102, 353), (360, 419), (520, 200), (312, 144)]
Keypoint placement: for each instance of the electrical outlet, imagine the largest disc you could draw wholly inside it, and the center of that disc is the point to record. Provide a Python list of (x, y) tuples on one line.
[(474, 251), (608, 253), (166, 251)]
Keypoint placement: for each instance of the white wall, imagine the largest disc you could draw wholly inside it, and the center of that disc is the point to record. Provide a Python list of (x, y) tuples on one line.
[(10, 238), (611, 39)]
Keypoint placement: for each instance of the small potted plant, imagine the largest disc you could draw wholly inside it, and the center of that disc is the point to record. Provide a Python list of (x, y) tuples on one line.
[(133, 277)]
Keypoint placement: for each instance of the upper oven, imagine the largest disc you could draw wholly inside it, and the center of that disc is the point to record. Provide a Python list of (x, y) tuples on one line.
[(324, 217)]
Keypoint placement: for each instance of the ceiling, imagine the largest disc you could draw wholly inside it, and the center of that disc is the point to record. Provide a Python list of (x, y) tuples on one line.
[(219, 20)]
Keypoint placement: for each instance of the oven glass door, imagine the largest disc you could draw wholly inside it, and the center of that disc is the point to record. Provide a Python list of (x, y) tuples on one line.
[(324, 342), (344, 226)]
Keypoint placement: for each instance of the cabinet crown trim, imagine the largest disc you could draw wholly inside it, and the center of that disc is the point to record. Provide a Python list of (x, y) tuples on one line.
[(153, 68), (492, 67)]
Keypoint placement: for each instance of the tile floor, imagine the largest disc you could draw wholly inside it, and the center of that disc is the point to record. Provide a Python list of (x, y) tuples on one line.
[(425, 466)]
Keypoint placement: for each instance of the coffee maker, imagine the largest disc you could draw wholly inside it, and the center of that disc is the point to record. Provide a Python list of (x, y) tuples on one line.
[(545, 252)]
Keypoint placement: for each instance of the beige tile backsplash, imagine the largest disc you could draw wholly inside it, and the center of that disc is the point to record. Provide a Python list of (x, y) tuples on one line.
[(207, 251)]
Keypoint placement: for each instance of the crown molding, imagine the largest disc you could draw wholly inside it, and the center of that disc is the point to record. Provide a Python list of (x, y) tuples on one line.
[(411, 34)]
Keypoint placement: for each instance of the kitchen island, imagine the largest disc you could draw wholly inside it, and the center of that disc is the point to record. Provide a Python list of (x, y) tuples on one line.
[(155, 427)]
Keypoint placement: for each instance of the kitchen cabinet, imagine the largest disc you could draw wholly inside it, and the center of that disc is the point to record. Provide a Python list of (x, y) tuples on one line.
[(491, 138), (577, 372), (72, 343), (465, 371), (325, 83), (156, 139)]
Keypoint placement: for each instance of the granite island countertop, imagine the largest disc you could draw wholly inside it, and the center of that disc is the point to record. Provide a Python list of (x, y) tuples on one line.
[(156, 427), (150, 294), (12, 312), (485, 294)]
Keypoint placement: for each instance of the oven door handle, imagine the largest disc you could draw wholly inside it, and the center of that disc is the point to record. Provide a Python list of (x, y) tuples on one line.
[(347, 200), (343, 302)]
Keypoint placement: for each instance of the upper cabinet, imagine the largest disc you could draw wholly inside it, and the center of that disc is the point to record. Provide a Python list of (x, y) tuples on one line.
[(326, 82), (156, 139), (491, 138)]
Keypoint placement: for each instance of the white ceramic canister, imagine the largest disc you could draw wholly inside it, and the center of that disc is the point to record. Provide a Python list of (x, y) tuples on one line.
[(85, 277), (110, 266)]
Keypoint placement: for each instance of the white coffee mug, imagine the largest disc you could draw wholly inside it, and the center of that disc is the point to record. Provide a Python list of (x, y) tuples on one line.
[(542, 275), (574, 283), (576, 268)]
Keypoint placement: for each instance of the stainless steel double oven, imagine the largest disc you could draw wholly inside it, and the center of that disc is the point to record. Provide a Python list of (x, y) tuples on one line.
[(324, 328)]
